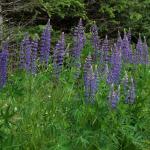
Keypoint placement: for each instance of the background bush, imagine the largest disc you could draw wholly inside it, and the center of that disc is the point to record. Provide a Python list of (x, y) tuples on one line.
[(109, 15)]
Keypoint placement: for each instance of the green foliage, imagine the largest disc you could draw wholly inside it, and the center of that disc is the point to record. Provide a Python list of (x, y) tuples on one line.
[(40, 112), (64, 8)]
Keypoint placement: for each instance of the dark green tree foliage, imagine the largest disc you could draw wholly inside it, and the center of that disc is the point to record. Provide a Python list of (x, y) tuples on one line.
[(110, 15)]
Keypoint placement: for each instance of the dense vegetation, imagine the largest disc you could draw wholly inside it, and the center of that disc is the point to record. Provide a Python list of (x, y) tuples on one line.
[(92, 95), (79, 82)]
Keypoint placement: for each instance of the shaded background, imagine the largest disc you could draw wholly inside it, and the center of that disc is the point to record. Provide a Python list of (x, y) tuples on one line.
[(111, 16)]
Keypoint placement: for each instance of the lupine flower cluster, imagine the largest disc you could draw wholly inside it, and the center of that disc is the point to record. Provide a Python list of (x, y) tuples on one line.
[(79, 40), (90, 81), (58, 56), (3, 64), (105, 62), (45, 44), (126, 49), (95, 41), (34, 56), (115, 70)]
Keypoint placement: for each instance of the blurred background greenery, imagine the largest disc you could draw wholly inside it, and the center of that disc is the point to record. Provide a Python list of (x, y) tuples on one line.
[(111, 16)]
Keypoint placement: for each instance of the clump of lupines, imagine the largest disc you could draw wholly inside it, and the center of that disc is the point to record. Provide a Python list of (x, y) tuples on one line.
[(58, 56), (45, 44), (114, 96), (126, 49), (34, 55), (3, 64), (108, 64), (90, 81), (95, 40), (79, 40)]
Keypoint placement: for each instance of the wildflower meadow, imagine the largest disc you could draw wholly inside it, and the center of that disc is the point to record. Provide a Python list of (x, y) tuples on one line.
[(90, 94)]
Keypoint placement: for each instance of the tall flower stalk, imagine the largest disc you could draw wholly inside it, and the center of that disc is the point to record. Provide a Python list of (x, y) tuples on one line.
[(90, 81), (34, 56), (79, 40), (3, 64), (58, 56), (45, 44), (95, 41), (126, 49)]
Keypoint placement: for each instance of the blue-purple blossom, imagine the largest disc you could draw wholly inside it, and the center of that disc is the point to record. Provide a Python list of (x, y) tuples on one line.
[(126, 49), (27, 46), (95, 40), (58, 56), (79, 40), (105, 49), (145, 51), (90, 81), (139, 51), (22, 55), (3, 64), (34, 56), (45, 44), (114, 74)]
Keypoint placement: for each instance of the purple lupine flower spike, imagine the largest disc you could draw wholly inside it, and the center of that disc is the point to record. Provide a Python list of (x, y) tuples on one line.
[(139, 51), (105, 48), (87, 65), (3, 64), (22, 55), (126, 49), (45, 44), (90, 82), (145, 51), (27, 53), (59, 52), (34, 56), (79, 40), (48, 41), (114, 76), (95, 40)]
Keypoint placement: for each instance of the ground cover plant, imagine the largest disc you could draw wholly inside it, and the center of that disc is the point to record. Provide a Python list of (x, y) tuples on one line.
[(89, 94)]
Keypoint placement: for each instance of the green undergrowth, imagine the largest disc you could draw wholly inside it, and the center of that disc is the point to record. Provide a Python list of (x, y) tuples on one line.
[(40, 112)]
